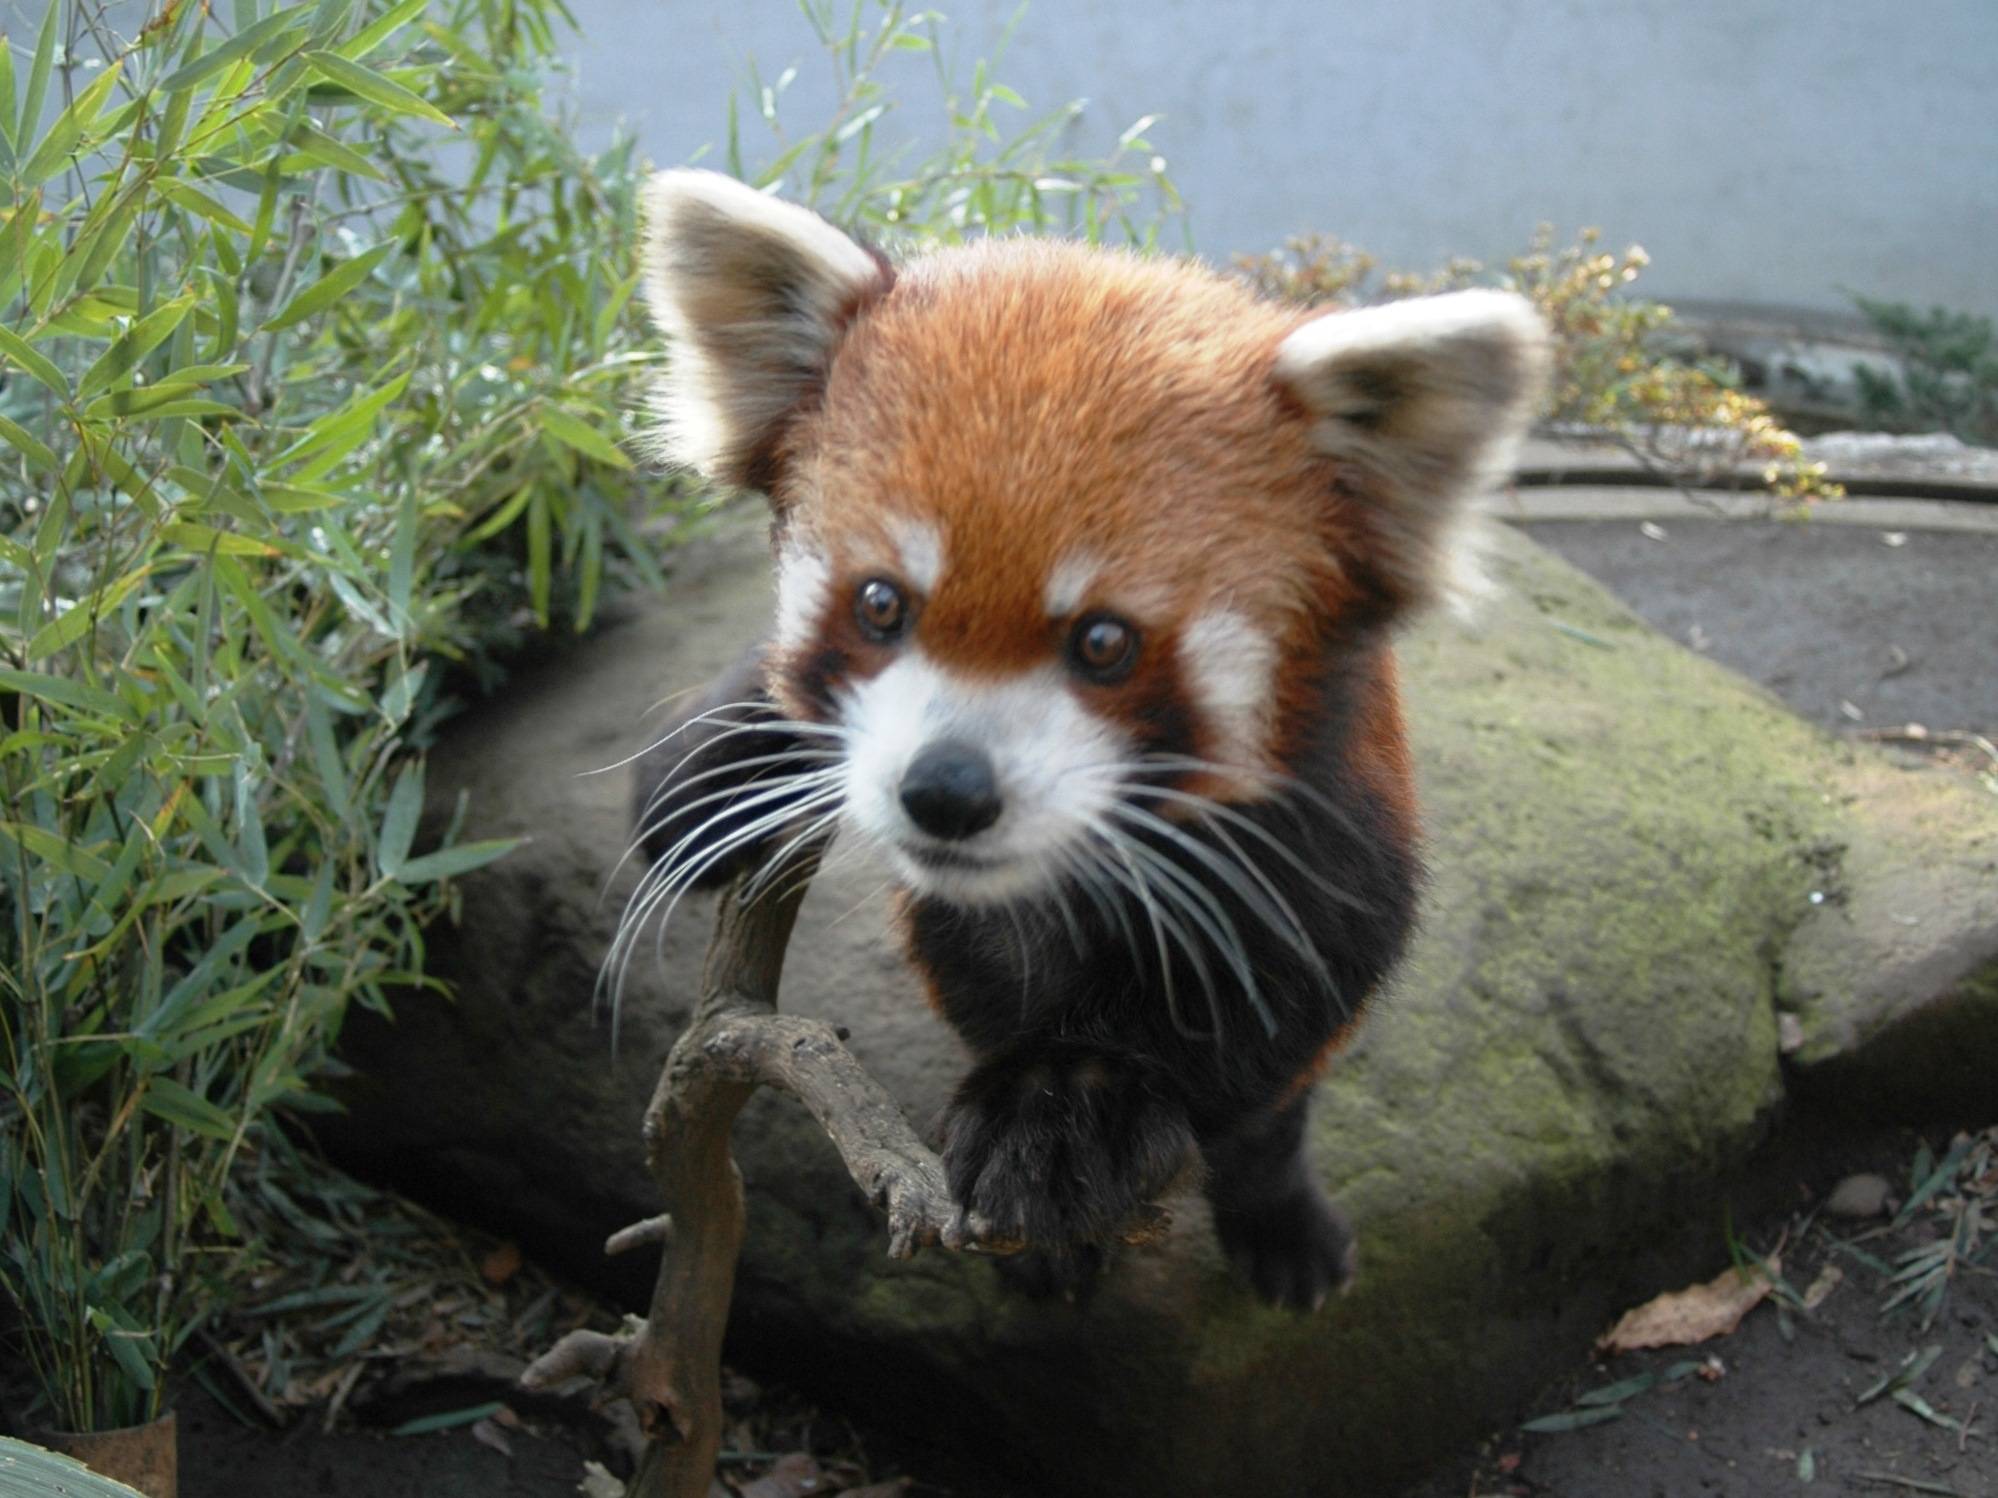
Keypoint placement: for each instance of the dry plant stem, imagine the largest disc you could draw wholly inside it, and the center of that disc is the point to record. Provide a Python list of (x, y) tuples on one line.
[(671, 1369), (669, 1365)]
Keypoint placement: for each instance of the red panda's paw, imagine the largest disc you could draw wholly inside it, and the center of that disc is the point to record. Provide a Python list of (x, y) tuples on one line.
[(1297, 1250), (1059, 1146)]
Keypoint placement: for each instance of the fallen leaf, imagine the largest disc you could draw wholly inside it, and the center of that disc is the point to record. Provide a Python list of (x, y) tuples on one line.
[(487, 1433), (794, 1476), (1682, 1318), (1860, 1196), (501, 1265), (1826, 1282)]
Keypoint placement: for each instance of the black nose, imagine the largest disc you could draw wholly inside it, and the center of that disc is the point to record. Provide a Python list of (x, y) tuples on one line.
[(948, 790)]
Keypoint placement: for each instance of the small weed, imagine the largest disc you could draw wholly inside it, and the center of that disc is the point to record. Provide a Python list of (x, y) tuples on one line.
[(1948, 375), (1959, 1195)]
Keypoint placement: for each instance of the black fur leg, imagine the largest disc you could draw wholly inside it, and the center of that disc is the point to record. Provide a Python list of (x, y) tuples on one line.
[(1058, 1144), (1273, 1220), (715, 768)]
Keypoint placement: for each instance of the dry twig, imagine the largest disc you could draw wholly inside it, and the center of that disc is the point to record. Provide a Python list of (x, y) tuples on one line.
[(669, 1364)]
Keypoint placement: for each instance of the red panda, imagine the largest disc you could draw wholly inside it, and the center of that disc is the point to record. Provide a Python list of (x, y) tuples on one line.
[(1087, 564)]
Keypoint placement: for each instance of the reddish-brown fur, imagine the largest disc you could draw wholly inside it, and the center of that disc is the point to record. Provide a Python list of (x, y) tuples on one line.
[(1160, 444)]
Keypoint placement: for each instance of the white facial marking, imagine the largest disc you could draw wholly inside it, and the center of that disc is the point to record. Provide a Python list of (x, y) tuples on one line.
[(1069, 583), (1232, 665), (1056, 764), (803, 576), (920, 547)]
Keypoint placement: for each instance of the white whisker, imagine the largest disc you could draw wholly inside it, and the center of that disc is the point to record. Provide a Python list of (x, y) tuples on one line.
[(695, 721)]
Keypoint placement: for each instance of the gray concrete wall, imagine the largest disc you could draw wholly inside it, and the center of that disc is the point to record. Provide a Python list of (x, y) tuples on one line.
[(1764, 151)]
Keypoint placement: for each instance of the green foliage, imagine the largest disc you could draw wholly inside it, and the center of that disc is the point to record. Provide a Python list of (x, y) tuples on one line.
[(1612, 368), (997, 166), (1948, 375), (317, 357), (289, 412), (31, 1472)]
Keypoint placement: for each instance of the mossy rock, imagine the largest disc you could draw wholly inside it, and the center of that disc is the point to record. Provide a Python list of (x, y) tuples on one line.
[(1639, 866)]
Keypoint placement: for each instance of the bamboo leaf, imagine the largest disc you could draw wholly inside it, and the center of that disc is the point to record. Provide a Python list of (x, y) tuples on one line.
[(329, 288), (185, 195), (398, 829), (353, 420), (28, 446), (573, 432), (165, 1098), (241, 45), (312, 146), (37, 364), (205, 539), (365, 83), (66, 133), (131, 1349), (402, 554), (125, 352), (79, 619), (38, 76), (15, 239), (462, 858), (148, 405), (45, 1474), (56, 851), (63, 690), (8, 104), (448, 1420), (371, 36)]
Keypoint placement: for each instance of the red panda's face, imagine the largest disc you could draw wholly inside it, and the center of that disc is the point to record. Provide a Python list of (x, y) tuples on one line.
[(1051, 528), (1056, 524)]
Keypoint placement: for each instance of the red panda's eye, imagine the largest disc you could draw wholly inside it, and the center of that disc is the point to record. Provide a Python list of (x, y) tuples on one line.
[(1103, 647), (881, 609)]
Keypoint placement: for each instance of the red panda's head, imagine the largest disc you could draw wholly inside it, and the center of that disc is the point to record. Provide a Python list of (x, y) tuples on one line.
[(1053, 521)]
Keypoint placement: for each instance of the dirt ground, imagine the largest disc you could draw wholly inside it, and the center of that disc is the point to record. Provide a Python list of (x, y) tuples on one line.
[(1856, 627), (1847, 1397), (221, 1457)]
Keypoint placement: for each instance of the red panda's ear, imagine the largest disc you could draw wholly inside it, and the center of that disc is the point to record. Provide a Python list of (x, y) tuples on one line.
[(1427, 399), (755, 293)]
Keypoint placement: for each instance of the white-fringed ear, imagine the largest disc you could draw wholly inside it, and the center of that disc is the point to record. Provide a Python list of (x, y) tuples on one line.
[(1427, 399), (754, 292)]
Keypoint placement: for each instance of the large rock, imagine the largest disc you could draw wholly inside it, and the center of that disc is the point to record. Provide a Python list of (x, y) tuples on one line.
[(1640, 863)]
